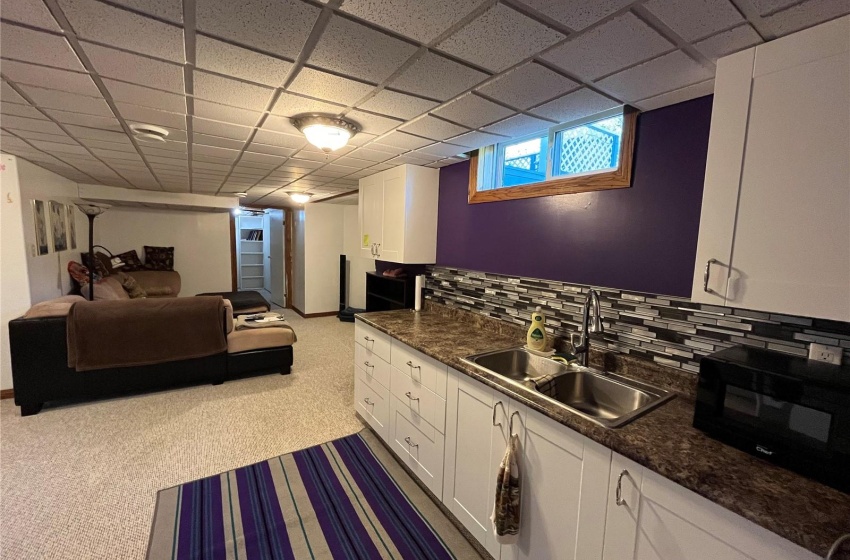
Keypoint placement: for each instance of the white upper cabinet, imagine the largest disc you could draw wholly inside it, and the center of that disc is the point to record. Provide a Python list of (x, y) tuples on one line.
[(775, 226), (398, 215)]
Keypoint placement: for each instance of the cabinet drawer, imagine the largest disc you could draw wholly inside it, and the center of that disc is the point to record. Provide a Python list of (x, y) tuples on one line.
[(372, 365), (422, 402), (372, 401), (372, 340), (420, 450), (421, 368)]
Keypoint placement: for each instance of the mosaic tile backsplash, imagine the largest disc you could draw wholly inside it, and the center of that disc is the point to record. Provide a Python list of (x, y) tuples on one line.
[(671, 331)]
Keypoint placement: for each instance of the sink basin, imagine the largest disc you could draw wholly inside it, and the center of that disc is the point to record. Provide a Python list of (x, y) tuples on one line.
[(605, 398)]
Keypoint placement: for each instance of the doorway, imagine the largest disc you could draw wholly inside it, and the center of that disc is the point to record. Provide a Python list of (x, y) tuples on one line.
[(260, 252)]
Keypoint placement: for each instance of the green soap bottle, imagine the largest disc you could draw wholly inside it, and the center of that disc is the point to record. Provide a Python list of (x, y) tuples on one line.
[(536, 339)]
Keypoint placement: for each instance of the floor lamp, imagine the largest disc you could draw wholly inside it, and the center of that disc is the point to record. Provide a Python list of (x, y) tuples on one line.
[(91, 211)]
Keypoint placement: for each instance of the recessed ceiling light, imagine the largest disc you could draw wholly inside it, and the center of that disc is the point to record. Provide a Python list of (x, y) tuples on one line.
[(300, 197), (149, 132), (328, 133), (240, 194)]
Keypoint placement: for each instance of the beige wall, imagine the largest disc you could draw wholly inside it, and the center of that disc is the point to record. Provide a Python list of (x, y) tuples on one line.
[(357, 266), (322, 248), (298, 288), (201, 242)]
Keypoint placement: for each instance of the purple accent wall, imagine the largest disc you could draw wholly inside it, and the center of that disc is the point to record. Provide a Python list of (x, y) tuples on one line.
[(642, 238)]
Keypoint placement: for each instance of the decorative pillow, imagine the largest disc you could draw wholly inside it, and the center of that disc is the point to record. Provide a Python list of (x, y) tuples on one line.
[(101, 268), (131, 286), (131, 261), (159, 258), (159, 291)]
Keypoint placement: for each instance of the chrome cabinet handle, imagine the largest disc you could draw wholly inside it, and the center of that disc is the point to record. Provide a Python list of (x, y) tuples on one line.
[(410, 443), (367, 401), (511, 425), (837, 545), (618, 499), (367, 364), (706, 275), (494, 413), (411, 397), (368, 339), (377, 249), (410, 364)]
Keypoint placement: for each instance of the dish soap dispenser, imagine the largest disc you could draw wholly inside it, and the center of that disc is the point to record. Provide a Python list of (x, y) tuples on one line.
[(536, 339)]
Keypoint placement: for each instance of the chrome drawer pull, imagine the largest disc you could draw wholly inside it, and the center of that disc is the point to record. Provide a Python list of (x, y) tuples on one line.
[(368, 339), (410, 364), (410, 443), (494, 413), (411, 397), (706, 276), (619, 496), (367, 364), (367, 401)]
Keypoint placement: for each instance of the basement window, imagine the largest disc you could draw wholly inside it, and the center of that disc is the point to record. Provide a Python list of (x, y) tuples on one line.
[(590, 154)]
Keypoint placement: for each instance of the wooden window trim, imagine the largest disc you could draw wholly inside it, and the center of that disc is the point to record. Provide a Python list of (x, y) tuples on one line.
[(620, 178)]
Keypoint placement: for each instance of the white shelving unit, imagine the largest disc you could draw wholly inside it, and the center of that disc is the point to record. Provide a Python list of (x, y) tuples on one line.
[(252, 252)]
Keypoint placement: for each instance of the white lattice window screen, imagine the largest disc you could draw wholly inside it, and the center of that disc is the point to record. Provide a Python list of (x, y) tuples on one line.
[(583, 150)]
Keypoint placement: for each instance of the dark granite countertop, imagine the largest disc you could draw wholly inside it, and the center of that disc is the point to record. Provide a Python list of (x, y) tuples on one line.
[(797, 508)]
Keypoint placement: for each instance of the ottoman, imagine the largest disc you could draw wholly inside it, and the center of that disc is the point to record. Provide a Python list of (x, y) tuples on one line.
[(252, 351), (244, 303)]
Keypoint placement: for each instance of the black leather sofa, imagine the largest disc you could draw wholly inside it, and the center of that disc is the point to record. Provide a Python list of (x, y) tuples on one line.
[(40, 371)]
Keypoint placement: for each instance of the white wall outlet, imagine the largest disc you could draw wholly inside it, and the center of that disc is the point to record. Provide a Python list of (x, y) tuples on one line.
[(825, 353)]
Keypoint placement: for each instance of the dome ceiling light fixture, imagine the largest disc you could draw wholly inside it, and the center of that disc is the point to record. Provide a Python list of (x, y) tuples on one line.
[(149, 132), (300, 197), (326, 132)]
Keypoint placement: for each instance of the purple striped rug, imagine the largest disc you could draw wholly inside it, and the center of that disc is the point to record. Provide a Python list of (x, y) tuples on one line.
[(335, 500)]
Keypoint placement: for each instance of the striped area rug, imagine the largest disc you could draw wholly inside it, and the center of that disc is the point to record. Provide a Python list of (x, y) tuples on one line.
[(343, 499)]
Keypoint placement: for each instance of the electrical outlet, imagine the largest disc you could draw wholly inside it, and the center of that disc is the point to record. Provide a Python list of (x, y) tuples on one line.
[(825, 353)]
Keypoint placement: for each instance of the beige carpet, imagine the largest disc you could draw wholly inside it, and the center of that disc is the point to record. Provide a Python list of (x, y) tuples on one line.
[(80, 481)]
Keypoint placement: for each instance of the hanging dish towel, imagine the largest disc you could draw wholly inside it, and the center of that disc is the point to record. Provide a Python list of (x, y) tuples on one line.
[(506, 511)]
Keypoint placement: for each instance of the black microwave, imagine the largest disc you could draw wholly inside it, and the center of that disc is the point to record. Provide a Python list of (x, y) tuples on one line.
[(788, 410)]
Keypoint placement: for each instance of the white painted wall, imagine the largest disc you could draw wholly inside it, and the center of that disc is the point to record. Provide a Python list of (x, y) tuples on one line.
[(201, 242), (357, 265), (322, 248), (299, 298), (14, 278), (48, 274)]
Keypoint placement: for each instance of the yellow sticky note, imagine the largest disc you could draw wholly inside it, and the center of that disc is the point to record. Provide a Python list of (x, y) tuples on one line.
[(366, 240)]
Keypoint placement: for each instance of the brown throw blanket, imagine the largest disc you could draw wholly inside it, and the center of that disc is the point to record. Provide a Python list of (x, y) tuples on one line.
[(109, 334)]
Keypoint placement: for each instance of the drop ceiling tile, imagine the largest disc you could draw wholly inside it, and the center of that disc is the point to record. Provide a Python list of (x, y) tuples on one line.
[(81, 132), (695, 19), (421, 21), (146, 97), (401, 141), (361, 138), (676, 96), (477, 139), (577, 14), (806, 15), (298, 163), (517, 126), (59, 137), (473, 111), (169, 149), (33, 13), (373, 124), (371, 156), (500, 38), (93, 121), (225, 58), (231, 92), (437, 77), (217, 141), (73, 82), (445, 162), (433, 128), (119, 28), (620, 42), (109, 155), (167, 162), (528, 85), (34, 125), (59, 148), (575, 105), (350, 48), (412, 158), (660, 75), (273, 150), (728, 42), (441, 150), (289, 105), (214, 151), (134, 68), (254, 157), (280, 140), (53, 99), (765, 7), (329, 87), (280, 27), (317, 157), (33, 46), (17, 110), (336, 153), (225, 113), (280, 124), (8, 95), (146, 115), (398, 105), (204, 165), (171, 10), (225, 130)]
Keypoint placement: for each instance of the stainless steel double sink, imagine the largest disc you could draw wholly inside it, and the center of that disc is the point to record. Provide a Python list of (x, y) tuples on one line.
[(605, 398)]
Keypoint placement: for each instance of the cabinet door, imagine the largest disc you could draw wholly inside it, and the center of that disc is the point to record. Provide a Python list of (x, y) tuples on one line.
[(391, 244), (622, 518), (564, 490), (791, 251), (476, 439), (371, 215)]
